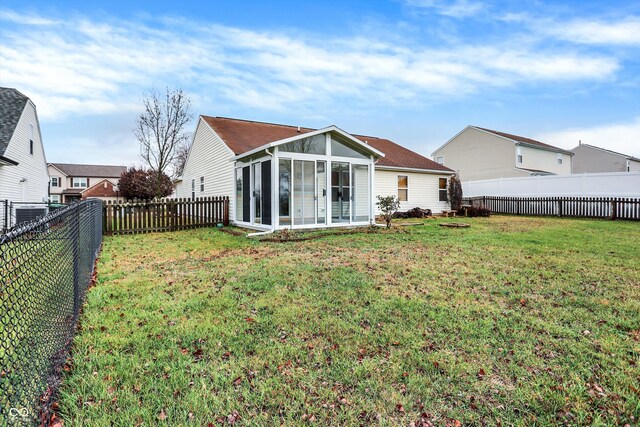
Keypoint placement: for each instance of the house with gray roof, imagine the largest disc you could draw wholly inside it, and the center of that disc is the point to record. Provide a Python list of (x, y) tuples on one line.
[(23, 165), (477, 153), (71, 182)]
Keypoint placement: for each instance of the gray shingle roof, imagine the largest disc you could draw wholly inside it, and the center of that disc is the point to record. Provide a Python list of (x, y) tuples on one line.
[(12, 104), (90, 171)]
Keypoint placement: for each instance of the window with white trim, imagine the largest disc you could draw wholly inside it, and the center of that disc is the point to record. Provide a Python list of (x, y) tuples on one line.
[(54, 198), (559, 156), (442, 189), (202, 184), (403, 188), (79, 182), (193, 189), (519, 155), (55, 181), (440, 160), (628, 166)]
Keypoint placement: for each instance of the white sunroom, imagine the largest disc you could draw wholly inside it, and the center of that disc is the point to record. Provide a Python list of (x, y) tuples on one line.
[(323, 178)]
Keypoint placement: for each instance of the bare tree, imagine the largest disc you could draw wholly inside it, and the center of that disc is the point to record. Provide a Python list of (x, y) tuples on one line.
[(160, 128), (181, 156)]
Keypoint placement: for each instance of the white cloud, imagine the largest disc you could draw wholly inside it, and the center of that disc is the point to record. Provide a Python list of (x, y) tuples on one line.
[(621, 137), (24, 19), (83, 66), (624, 32), (452, 8)]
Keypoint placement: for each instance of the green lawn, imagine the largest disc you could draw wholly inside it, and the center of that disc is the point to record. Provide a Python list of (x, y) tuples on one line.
[(514, 321)]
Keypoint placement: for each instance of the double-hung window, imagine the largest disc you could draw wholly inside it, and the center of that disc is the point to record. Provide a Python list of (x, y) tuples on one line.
[(403, 188), (519, 155), (55, 181), (442, 189), (202, 184), (80, 182)]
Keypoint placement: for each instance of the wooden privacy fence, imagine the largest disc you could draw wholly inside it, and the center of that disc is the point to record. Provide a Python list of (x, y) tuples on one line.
[(132, 217), (586, 207)]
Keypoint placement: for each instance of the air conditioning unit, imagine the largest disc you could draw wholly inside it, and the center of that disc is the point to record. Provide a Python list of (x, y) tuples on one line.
[(27, 214)]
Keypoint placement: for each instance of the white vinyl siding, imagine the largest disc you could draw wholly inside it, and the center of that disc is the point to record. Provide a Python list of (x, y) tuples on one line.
[(210, 158), (29, 180), (534, 158), (423, 189)]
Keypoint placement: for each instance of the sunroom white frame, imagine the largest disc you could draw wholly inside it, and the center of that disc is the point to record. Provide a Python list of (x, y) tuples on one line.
[(272, 152)]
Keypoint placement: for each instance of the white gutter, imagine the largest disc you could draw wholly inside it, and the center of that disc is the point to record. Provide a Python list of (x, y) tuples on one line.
[(398, 168)]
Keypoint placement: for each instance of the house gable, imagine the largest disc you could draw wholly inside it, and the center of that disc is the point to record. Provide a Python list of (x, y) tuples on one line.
[(25, 177), (211, 158)]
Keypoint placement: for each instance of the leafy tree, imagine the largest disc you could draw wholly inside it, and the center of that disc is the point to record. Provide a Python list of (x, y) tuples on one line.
[(455, 193), (144, 184), (160, 129), (388, 205)]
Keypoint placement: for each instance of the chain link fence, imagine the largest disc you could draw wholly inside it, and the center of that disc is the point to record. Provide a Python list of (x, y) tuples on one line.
[(46, 266)]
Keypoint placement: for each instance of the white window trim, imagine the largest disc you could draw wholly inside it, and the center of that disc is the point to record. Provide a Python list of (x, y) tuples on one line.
[(445, 189), (404, 188), (57, 179), (73, 182), (519, 157), (440, 160)]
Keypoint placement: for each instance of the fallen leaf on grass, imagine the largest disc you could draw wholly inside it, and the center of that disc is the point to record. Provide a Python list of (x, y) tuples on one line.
[(481, 374), (162, 416), (237, 381), (233, 417)]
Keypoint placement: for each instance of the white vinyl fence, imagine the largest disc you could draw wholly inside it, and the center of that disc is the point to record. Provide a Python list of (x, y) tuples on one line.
[(613, 184)]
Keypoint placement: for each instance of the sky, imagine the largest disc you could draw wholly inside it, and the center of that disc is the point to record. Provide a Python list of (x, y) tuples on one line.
[(414, 71)]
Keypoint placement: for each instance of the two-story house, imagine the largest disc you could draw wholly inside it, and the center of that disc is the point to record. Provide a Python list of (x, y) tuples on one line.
[(477, 153), (592, 159), (72, 182)]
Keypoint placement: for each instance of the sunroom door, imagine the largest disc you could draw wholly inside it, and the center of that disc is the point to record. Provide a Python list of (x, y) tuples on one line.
[(304, 192), (340, 192)]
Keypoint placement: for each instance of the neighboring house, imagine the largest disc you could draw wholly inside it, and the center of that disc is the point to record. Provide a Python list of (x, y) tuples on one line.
[(72, 182), (23, 166), (279, 176), (591, 159), (477, 153)]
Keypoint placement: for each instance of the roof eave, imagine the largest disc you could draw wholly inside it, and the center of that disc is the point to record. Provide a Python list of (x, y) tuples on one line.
[(539, 147), (5, 161), (402, 168)]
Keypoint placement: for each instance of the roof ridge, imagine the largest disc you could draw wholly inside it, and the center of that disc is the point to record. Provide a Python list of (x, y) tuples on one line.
[(519, 138), (259, 122), (629, 156), (86, 164)]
